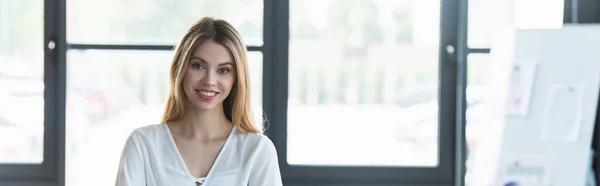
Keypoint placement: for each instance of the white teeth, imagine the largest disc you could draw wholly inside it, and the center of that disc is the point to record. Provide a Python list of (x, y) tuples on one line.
[(208, 93)]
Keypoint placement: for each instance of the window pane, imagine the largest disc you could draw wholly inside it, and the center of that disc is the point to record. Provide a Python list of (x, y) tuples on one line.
[(156, 21), (488, 17), (21, 82), (481, 134), (112, 93), (363, 83)]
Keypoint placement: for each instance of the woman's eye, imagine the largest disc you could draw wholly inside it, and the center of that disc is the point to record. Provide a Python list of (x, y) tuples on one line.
[(224, 70), (197, 66)]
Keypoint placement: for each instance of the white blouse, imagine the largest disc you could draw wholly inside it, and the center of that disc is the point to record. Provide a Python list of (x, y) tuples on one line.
[(151, 158)]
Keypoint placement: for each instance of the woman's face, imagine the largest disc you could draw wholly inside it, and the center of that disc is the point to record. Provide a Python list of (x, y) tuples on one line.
[(210, 76)]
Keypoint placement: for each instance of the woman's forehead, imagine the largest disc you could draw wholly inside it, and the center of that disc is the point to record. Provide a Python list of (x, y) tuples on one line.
[(212, 53)]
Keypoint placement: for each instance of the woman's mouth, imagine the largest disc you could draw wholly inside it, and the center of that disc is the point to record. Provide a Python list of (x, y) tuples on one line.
[(207, 95)]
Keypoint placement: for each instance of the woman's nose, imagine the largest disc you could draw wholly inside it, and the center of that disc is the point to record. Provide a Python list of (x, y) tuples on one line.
[(209, 79)]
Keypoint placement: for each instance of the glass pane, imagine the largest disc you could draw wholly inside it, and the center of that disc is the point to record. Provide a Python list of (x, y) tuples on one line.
[(481, 134), (363, 83), (112, 93), (156, 21), (21, 82), (488, 17)]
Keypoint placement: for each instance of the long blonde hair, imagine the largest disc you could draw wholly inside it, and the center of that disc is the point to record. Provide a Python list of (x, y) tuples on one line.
[(236, 106)]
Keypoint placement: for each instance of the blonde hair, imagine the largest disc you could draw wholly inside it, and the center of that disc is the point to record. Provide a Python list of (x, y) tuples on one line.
[(236, 106)]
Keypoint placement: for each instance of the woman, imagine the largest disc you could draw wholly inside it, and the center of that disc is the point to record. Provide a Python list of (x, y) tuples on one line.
[(207, 136)]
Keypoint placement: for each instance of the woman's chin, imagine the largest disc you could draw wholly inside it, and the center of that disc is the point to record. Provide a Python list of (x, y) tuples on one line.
[(204, 106)]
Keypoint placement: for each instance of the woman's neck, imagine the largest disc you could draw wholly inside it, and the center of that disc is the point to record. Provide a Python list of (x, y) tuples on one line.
[(204, 125)]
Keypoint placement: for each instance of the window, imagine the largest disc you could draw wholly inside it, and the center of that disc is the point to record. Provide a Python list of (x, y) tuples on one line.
[(363, 102), (25, 146), (363, 79), (21, 82)]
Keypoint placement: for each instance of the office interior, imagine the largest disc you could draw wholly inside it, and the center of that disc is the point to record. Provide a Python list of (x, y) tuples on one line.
[(351, 92)]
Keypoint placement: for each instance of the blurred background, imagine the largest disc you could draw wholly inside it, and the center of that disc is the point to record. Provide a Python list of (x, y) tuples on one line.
[(361, 72)]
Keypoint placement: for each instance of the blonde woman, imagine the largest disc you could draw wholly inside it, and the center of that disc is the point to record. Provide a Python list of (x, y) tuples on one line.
[(206, 136)]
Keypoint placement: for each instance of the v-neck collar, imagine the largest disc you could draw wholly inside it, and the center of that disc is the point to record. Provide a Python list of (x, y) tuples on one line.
[(182, 162)]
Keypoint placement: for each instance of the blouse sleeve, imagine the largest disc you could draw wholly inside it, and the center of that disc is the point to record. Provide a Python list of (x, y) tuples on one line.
[(131, 165), (266, 169)]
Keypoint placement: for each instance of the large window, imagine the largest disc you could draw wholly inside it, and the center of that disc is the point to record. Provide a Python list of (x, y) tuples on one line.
[(21, 82), (370, 93), (25, 146), (363, 83)]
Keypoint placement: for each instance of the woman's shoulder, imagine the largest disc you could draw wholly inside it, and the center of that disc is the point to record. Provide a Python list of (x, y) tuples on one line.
[(255, 141), (250, 137), (152, 131), (148, 129)]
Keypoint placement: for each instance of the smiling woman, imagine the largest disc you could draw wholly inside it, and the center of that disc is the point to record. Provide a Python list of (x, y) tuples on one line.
[(207, 126), (122, 90)]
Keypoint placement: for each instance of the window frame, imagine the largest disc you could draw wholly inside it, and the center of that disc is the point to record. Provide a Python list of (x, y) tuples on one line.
[(275, 82), (47, 172)]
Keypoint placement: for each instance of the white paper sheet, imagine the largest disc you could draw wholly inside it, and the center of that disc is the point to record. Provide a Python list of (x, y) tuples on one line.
[(525, 170), (520, 85), (562, 115)]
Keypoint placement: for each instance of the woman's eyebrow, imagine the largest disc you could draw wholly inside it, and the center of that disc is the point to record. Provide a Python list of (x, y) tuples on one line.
[(199, 59), (226, 63), (204, 61)]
